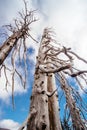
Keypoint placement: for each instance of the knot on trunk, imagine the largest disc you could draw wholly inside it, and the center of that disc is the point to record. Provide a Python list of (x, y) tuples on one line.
[(44, 126), (41, 126)]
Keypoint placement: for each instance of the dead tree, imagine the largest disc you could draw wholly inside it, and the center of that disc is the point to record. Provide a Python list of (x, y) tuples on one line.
[(44, 110), (19, 32), (43, 99), (39, 98)]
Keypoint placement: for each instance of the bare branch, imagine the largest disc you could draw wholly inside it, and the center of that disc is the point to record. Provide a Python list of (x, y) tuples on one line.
[(78, 56), (54, 70), (78, 73)]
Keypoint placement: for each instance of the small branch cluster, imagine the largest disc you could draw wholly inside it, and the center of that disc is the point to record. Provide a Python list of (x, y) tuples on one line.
[(26, 18)]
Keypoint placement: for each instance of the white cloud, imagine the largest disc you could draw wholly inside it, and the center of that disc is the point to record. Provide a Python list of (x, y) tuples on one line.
[(9, 124), (68, 18), (9, 10)]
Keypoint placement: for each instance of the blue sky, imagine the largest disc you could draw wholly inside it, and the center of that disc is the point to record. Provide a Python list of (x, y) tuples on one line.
[(68, 18)]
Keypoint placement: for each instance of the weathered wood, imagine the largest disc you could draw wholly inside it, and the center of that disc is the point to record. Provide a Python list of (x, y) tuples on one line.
[(54, 118), (39, 98), (7, 46)]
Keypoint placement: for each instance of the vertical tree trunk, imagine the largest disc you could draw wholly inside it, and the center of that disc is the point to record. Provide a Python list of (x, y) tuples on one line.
[(44, 111), (39, 116), (78, 123), (55, 123)]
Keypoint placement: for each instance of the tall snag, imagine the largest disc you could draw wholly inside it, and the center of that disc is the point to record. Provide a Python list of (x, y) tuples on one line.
[(50, 62), (39, 116), (44, 97)]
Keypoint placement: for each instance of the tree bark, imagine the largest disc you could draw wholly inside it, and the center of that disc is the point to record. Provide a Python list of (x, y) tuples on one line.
[(7, 46), (39, 100), (54, 118)]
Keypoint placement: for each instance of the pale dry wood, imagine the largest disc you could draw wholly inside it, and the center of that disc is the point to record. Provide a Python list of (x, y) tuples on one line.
[(48, 63), (39, 98), (54, 117)]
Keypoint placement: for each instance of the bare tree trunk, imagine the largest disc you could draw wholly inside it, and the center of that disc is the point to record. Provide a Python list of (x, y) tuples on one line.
[(54, 118), (6, 48), (39, 105), (78, 123), (39, 119), (44, 112)]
